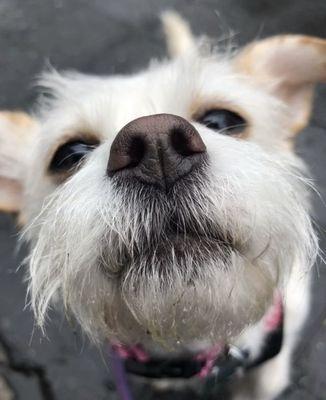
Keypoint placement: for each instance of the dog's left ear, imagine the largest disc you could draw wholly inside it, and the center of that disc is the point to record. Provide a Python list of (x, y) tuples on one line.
[(288, 66), (17, 132)]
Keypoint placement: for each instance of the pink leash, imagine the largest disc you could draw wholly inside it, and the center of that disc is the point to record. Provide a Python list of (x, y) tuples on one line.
[(120, 376)]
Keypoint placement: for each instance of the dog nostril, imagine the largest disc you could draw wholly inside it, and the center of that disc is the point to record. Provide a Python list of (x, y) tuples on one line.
[(179, 142), (185, 142), (127, 153), (137, 149)]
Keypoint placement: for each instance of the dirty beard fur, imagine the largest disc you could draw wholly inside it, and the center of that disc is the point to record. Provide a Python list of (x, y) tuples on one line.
[(125, 268)]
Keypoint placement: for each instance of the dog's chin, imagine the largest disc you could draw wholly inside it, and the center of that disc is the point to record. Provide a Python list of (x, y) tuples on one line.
[(179, 293)]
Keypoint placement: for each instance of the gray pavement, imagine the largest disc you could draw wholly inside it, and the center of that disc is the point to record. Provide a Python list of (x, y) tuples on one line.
[(103, 36)]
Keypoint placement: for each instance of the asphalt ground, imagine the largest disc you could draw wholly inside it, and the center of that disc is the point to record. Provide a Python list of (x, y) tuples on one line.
[(105, 37)]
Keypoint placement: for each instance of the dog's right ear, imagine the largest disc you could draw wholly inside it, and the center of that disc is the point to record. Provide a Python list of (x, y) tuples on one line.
[(288, 67), (179, 37), (17, 132)]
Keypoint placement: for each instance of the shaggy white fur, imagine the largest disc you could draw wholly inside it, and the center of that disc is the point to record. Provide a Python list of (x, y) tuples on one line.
[(105, 250)]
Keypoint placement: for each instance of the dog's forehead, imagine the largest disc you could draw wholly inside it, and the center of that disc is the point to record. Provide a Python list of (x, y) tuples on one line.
[(103, 105), (170, 87)]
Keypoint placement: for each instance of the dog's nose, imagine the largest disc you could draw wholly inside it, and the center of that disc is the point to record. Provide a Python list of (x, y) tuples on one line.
[(157, 149)]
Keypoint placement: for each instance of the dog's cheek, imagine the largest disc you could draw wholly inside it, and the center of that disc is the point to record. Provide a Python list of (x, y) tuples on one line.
[(253, 194)]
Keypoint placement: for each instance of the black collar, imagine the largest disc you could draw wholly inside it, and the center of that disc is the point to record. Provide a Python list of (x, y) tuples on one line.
[(225, 367)]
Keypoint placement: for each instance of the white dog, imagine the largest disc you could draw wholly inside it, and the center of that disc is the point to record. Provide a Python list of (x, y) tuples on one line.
[(166, 209)]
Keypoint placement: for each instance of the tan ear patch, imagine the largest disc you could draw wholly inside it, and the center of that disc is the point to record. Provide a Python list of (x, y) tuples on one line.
[(296, 58), (10, 195), (288, 66), (17, 132)]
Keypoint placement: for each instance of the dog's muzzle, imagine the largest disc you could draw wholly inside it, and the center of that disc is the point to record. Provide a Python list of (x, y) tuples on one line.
[(157, 149)]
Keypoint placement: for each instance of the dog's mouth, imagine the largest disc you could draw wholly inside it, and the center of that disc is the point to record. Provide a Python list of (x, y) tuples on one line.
[(200, 232), (179, 223), (197, 241), (180, 240), (165, 234)]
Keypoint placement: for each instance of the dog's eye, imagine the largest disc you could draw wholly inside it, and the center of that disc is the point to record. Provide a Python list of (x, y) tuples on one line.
[(224, 121), (69, 155)]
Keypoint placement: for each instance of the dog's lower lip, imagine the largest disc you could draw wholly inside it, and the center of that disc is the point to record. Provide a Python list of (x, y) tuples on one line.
[(197, 236)]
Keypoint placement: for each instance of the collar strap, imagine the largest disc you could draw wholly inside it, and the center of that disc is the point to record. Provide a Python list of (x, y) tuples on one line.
[(220, 364), (165, 368), (224, 367), (158, 368)]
